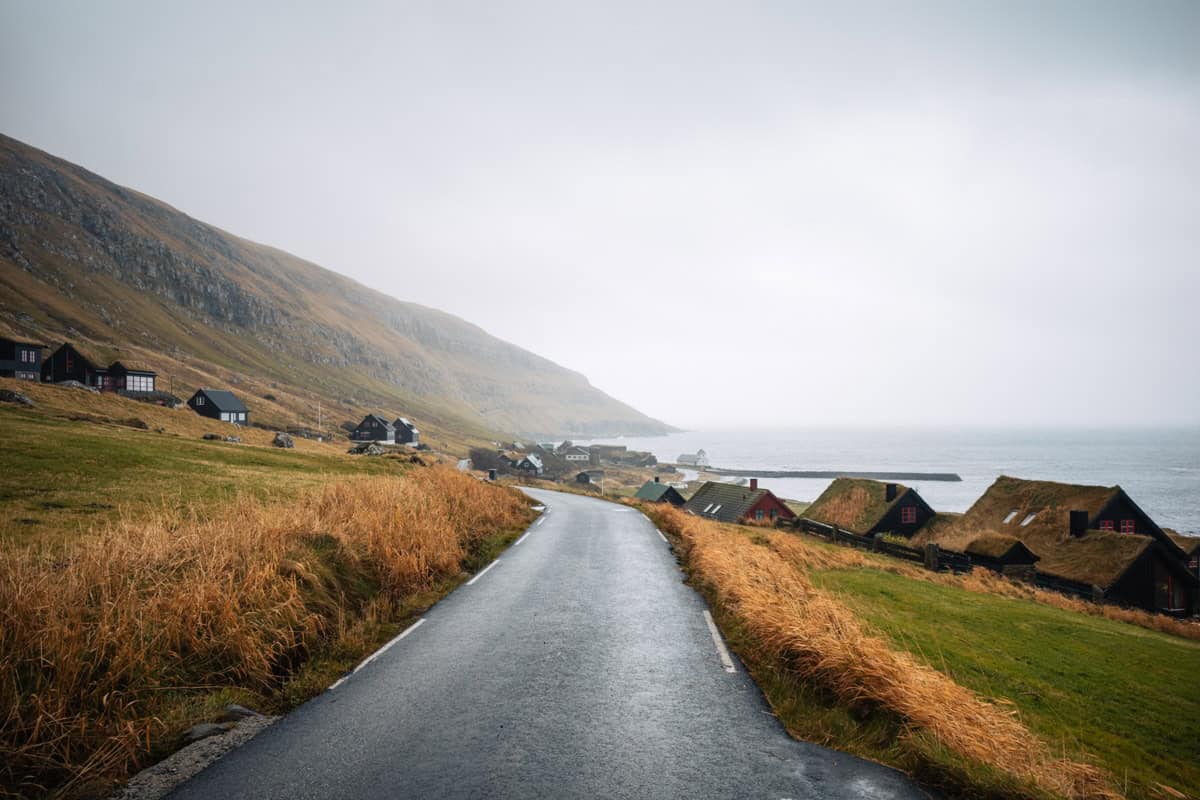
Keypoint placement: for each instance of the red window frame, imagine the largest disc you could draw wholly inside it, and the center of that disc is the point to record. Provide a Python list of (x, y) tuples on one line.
[(1128, 526), (908, 515), (1106, 525)]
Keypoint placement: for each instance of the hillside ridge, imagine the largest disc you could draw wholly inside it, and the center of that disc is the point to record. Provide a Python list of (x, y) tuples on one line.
[(83, 258)]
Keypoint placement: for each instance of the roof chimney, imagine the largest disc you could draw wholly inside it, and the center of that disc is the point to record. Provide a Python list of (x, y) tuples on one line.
[(754, 484), (656, 479), (889, 492), (1079, 523)]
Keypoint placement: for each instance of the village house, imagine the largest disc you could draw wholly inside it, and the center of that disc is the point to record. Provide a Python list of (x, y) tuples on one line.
[(870, 507), (610, 453), (728, 502), (374, 428), (219, 404), (406, 432), (127, 377), (20, 360), (1090, 536), (1190, 545), (530, 464), (656, 491), (71, 363), (575, 454)]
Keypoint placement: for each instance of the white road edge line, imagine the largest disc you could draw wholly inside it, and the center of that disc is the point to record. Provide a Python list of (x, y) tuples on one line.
[(379, 652), (660, 535), (726, 661), (523, 538), (483, 572), (540, 521)]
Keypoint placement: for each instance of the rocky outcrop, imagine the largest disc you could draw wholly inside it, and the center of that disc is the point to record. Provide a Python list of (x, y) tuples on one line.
[(282, 440)]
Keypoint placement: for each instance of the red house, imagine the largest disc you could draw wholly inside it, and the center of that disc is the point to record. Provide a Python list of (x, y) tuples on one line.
[(727, 502)]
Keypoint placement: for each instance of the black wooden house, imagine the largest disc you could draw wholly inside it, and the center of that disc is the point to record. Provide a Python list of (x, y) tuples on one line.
[(69, 363), (374, 428), (406, 432), (219, 404), (20, 360)]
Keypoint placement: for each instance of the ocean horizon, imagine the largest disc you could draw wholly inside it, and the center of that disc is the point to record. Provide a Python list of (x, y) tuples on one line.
[(1158, 467)]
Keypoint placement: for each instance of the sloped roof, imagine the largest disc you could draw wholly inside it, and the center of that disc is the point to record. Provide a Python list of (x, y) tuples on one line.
[(132, 366), (387, 425), (1190, 545), (223, 400), (1001, 548), (1098, 558), (533, 459), (652, 491), (725, 502), (854, 504), (402, 421)]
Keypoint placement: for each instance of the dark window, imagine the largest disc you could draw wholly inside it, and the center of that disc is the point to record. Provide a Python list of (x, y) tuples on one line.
[(758, 514), (1127, 526), (774, 513), (1106, 524), (908, 515)]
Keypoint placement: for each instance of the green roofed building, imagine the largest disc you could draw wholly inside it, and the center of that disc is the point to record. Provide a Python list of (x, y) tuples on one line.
[(657, 492), (869, 507)]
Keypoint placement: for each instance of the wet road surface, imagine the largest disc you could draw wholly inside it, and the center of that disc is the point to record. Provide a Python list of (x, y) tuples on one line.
[(576, 665)]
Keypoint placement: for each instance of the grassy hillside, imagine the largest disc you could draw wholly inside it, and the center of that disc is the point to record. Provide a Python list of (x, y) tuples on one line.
[(86, 260), (973, 693)]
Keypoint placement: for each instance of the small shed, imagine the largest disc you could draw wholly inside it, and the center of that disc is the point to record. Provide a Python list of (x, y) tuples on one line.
[(374, 428), (219, 404), (656, 492)]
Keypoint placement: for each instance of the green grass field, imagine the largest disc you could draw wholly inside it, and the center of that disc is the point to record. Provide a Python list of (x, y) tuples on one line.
[(1126, 697), (59, 477)]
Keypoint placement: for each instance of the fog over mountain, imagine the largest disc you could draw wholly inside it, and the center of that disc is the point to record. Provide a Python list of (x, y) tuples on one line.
[(723, 214)]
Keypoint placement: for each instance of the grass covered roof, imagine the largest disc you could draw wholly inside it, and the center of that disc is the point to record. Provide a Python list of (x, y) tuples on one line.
[(854, 504)]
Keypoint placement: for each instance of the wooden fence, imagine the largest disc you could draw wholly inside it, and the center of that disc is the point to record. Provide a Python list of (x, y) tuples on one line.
[(938, 560)]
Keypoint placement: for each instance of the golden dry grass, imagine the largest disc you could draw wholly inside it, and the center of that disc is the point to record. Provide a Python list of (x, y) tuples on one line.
[(99, 637), (801, 629)]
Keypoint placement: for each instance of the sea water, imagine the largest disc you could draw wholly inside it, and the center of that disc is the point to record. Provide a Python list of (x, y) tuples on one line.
[(1158, 468)]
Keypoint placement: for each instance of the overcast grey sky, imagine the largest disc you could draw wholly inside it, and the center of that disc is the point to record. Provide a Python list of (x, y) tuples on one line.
[(725, 214)]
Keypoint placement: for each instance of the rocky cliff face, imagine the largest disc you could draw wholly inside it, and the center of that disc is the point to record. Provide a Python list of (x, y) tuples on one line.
[(83, 257)]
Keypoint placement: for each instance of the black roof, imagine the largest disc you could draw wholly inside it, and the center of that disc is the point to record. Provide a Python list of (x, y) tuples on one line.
[(223, 400), (387, 425), (725, 502)]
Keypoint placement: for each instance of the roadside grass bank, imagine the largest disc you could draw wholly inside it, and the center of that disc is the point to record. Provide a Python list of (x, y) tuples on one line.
[(1127, 697), (113, 644), (834, 679), (60, 477)]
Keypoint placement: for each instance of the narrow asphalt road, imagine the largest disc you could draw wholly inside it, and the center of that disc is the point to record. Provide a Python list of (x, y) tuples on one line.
[(576, 665)]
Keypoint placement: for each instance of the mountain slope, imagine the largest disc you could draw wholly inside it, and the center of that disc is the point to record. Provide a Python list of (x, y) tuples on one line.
[(84, 259)]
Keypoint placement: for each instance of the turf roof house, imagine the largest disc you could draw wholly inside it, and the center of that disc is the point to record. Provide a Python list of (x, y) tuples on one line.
[(70, 363), (219, 404), (20, 360), (728, 502), (657, 492), (870, 507), (374, 428), (1088, 535)]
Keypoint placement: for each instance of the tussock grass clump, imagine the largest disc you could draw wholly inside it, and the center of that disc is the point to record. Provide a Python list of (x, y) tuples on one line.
[(100, 640), (789, 625)]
